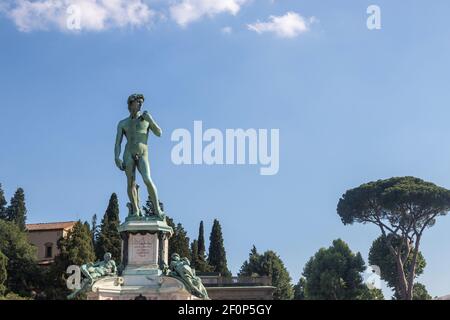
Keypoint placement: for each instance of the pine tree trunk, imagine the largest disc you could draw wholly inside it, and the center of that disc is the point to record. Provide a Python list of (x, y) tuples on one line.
[(402, 282), (412, 270)]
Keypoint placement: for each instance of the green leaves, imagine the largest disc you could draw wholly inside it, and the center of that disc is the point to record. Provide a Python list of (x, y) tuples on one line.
[(402, 207), (17, 211), (334, 273), (2, 203), (217, 256), (108, 239), (179, 242), (3, 272), (381, 256), (420, 292), (398, 201), (199, 260), (269, 264), (75, 249), (21, 267)]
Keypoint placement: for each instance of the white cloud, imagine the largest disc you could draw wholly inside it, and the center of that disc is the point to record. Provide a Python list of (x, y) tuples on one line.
[(289, 25), (226, 30), (187, 11), (95, 15)]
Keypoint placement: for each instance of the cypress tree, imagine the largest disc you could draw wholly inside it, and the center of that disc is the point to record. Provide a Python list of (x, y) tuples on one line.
[(217, 257), (269, 264), (109, 237), (22, 270), (201, 264), (3, 272), (194, 255), (94, 230), (201, 241), (75, 249), (179, 242), (2, 204), (17, 211), (299, 289), (170, 222)]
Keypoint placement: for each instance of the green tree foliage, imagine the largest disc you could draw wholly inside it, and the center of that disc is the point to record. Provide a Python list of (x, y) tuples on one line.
[(201, 241), (2, 204), (299, 289), (3, 272), (171, 224), (75, 249), (381, 256), (194, 254), (404, 207), (370, 294), (13, 296), (252, 267), (420, 292), (94, 230), (217, 257), (179, 242), (23, 273), (109, 237), (198, 256), (269, 264), (334, 273), (17, 211)]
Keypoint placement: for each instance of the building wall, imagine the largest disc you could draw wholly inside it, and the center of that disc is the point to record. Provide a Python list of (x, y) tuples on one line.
[(41, 238), (241, 293), (238, 288)]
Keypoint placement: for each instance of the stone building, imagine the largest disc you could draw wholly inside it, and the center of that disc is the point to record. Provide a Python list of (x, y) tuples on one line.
[(237, 288), (44, 236)]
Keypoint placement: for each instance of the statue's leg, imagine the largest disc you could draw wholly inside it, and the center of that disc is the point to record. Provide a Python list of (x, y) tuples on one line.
[(138, 200), (130, 171), (144, 169), (87, 274)]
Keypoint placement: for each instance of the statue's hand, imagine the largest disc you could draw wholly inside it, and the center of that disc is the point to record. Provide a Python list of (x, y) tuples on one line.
[(154, 127), (120, 164), (146, 116)]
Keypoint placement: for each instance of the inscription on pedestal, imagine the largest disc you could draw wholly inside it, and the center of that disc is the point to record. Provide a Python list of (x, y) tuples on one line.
[(143, 249)]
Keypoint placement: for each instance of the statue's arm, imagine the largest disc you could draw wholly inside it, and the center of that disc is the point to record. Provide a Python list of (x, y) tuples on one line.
[(118, 147), (114, 267), (152, 124)]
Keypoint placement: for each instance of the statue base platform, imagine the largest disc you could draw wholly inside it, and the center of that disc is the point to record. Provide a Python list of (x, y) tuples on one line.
[(145, 247), (140, 288), (144, 273)]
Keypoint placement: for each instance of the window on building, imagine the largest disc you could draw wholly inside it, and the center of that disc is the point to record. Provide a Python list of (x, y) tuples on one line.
[(48, 250)]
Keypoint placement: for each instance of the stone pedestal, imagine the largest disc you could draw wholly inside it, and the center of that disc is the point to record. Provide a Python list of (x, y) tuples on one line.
[(145, 246), (145, 249), (159, 288)]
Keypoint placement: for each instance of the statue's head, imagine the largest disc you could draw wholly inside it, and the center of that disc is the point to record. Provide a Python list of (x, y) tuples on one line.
[(107, 257), (175, 257), (135, 102)]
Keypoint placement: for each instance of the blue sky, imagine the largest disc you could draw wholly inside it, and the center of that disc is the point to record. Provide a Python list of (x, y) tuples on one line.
[(352, 105)]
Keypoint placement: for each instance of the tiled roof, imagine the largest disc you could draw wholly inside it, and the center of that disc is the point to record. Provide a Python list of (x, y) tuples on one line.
[(50, 226)]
